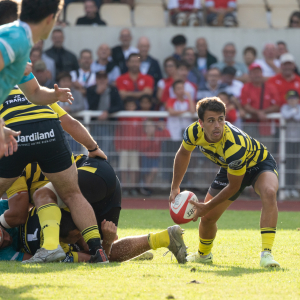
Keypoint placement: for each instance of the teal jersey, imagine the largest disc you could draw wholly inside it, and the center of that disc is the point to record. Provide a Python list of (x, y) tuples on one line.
[(11, 252), (15, 45)]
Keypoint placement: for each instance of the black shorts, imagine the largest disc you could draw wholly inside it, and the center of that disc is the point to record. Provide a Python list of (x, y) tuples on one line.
[(43, 142), (221, 180)]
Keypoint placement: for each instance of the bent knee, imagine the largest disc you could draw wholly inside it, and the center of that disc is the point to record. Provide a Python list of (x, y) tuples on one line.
[(268, 194), (44, 196), (207, 221)]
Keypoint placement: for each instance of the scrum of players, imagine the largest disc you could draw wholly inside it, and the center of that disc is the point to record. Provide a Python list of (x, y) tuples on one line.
[(66, 208)]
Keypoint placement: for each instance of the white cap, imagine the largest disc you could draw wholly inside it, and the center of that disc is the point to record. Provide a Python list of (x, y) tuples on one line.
[(287, 57)]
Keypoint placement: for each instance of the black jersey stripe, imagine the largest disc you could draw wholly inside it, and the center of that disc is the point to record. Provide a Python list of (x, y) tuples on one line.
[(195, 131), (227, 145), (237, 155), (30, 179)]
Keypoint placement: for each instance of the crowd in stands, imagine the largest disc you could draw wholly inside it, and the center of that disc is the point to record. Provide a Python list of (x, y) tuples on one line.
[(127, 77)]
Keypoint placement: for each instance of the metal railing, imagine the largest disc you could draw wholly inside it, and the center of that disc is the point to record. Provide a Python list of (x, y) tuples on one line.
[(145, 159)]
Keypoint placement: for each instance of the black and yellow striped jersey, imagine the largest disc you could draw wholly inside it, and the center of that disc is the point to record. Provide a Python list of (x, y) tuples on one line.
[(236, 151), (17, 109), (32, 178)]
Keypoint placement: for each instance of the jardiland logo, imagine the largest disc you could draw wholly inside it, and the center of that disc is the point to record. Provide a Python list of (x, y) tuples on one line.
[(37, 136)]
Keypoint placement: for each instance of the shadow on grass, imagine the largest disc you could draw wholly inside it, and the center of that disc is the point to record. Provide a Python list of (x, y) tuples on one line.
[(19, 268), (231, 271), (17, 293)]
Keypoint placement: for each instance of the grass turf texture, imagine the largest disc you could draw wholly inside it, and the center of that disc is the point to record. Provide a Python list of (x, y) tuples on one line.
[(235, 273)]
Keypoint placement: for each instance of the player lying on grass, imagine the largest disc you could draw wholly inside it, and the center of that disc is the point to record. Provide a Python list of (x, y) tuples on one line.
[(244, 161), (43, 140)]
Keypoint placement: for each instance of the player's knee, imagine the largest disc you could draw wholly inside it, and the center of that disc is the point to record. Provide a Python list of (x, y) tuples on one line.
[(44, 196), (268, 195), (208, 221)]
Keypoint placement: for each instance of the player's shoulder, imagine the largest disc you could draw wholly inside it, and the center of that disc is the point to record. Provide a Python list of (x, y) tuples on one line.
[(192, 133), (232, 133)]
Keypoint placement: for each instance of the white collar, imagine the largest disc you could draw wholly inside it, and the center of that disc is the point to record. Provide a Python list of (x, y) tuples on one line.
[(27, 30)]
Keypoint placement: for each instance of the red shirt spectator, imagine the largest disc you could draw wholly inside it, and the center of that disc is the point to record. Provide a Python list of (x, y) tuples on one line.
[(134, 84), (184, 5), (220, 3)]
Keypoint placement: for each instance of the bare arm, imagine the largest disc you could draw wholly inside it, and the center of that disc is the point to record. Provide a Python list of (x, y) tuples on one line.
[(146, 91), (43, 96), (181, 163), (1, 62)]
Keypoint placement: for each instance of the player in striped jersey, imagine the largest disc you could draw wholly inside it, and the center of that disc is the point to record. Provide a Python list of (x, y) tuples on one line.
[(243, 161)]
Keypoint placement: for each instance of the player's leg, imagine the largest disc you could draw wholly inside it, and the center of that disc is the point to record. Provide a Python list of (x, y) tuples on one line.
[(266, 186), (208, 230)]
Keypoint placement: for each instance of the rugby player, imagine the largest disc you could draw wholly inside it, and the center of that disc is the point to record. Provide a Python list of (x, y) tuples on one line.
[(244, 161), (44, 141)]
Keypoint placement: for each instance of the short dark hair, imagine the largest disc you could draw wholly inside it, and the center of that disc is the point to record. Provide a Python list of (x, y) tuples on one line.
[(210, 103), (229, 70), (34, 11), (128, 100), (281, 43), (57, 30), (87, 51), (294, 14), (8, 11), (62, 75), (66, 224), (101, 74), (183, 63), (224, 94), (250, 49), (177, 82), (148, 97), (178, 39), (170, 58), (36, 49), (133, 55)]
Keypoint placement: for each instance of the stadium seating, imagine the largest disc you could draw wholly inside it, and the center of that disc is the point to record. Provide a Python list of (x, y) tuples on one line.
[(149, 16), (116, 14), (148, 2), (74, 11)]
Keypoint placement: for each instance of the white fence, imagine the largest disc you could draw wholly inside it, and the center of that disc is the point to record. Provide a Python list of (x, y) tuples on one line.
[(111, 136)]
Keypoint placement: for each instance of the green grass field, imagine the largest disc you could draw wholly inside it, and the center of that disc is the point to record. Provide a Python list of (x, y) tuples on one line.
[(235, 273)]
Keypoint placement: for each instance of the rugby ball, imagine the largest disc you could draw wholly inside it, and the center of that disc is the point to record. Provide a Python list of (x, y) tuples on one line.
[(181, 210)]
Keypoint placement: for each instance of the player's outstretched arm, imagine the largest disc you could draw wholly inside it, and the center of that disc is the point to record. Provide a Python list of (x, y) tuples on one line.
[(43, 96), (80, 134), (2, 64), (181, 163)]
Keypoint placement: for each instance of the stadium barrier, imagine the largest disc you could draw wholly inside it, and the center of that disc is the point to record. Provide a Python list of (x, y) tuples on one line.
[(142, 152)]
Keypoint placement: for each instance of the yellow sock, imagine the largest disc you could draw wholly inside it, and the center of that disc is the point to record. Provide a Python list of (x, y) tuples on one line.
[(50, 216), (159, 240), (267, 237), (205, 246), (91, 236)]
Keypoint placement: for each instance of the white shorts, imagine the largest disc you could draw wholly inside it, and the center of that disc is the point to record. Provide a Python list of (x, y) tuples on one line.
[(129, 161), (60, 203)]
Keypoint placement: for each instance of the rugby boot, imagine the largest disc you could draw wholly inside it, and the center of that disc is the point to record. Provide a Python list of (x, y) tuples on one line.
[(267, 260), (100, 257), (43, 255), (177, 245), (196, 257)]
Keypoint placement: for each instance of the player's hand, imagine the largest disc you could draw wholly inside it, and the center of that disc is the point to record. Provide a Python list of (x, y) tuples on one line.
[(28, 69), (173, 194), (201, 209), (109, 230), (97, 153), (63, 95), (10, 144)]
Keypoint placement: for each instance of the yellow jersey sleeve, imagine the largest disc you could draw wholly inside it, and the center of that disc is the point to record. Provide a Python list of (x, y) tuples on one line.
[(19, 185), (189, 142), (60, 111)]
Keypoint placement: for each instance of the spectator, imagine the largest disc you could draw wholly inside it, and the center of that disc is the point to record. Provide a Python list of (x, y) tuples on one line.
[(250, 55), (126, 143), (179, 43), (92, 16), (180, 104), (287, 79), (233, 86), (194, 76), (50, 63), (231, 113), (105, 97), (291, 112), (149, 65), (229, 53), (121, 53), (41, 73), (259, 99), (134, 84), (170, 67), (105, 64), (84, 77), (150, 148), (213, 85), (282, 49), (184, 12), (64, 59), (129, 2), (294, 21), (36, 55), (269, 64), (204, 58), (221, 13), (182, 74), (64, 80), (145, 103)]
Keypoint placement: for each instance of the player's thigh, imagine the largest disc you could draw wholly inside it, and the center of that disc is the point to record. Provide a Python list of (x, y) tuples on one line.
[(266, 185), (5, 184)]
